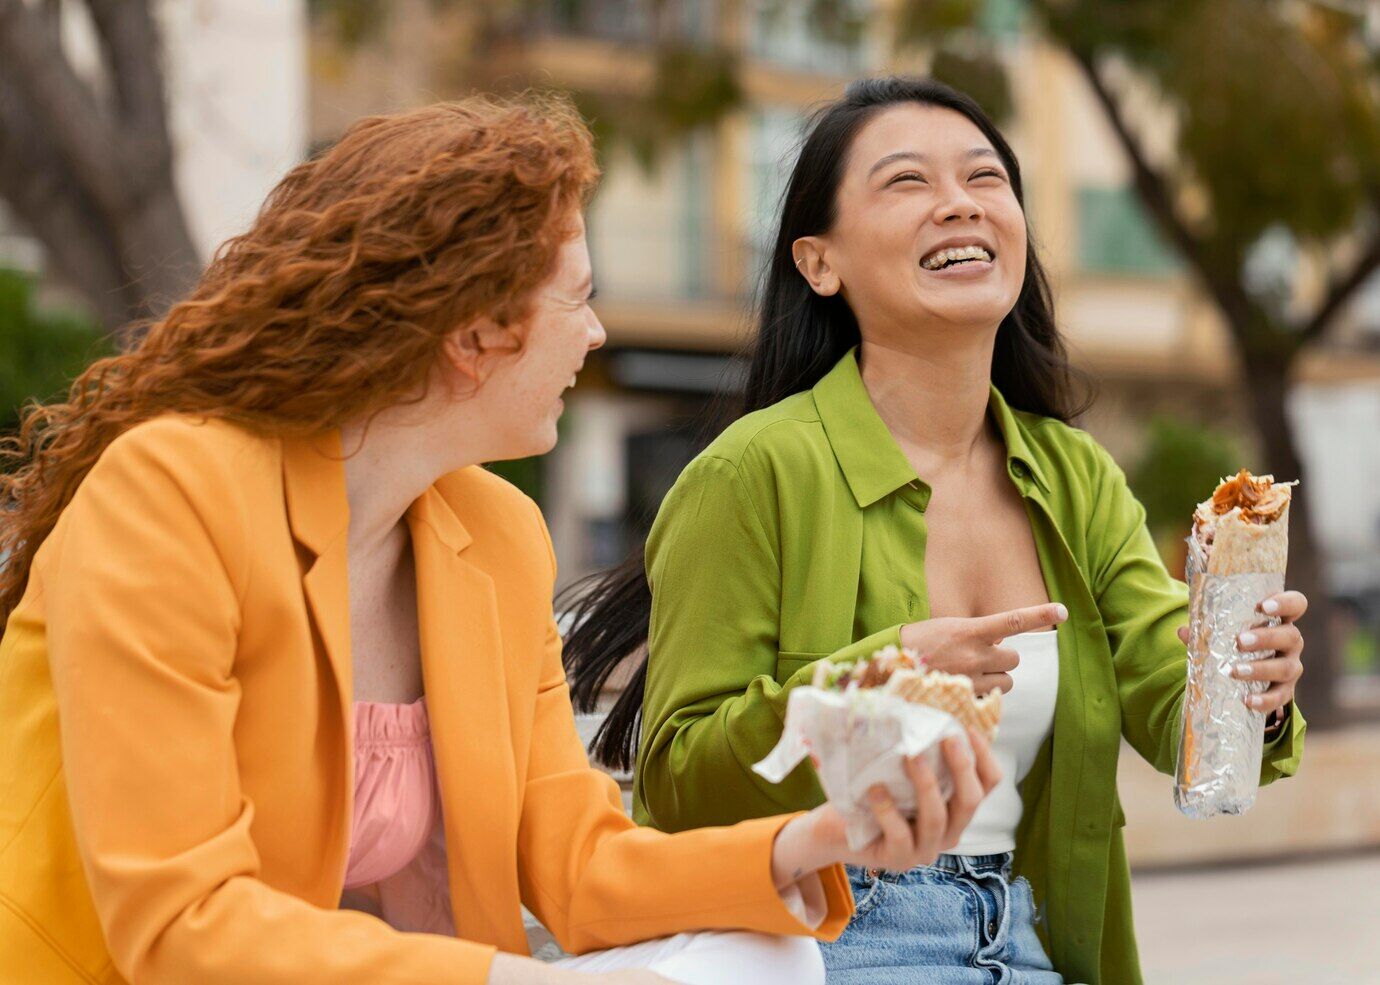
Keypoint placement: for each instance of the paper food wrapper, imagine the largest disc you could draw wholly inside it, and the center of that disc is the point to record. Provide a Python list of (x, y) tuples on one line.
[(1221, 740), (857, 739)]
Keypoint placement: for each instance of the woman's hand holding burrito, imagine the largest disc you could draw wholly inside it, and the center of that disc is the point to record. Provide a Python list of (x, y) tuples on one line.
[(1284, 668), (817, 839)]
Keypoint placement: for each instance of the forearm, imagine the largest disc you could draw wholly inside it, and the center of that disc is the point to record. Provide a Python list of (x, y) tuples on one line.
[(798, 852), (696, 769)]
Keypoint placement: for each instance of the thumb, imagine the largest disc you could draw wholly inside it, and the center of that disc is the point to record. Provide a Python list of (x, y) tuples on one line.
[(1000, 625)]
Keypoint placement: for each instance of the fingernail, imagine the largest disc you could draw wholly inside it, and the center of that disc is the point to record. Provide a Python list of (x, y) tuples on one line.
[(1244, 670), (1248, 639), (1060, 612), (1255, 701), (1269, 607)]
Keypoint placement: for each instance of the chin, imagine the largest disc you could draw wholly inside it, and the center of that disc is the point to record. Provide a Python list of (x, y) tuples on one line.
[(544, 440), (976, 311)]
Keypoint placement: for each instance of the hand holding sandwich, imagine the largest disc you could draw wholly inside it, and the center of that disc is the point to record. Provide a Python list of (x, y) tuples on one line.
[(818, 839)]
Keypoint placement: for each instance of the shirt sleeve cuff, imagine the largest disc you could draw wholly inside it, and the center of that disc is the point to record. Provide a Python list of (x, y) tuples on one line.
[(806, 900)]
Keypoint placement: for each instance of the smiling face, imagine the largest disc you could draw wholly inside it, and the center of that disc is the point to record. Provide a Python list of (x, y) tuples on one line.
[(518, 401), (927, 233)]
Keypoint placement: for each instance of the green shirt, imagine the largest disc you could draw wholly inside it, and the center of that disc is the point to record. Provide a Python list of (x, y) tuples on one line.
[(800, 534)]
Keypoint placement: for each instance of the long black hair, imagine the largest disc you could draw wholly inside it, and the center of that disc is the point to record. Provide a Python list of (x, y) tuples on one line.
[(800, 336)]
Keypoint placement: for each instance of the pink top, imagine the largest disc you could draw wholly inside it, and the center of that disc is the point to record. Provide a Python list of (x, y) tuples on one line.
[(397, 865)]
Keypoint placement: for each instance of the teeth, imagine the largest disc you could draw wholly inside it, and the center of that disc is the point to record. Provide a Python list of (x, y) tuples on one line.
[(940, 258), (572, 381)]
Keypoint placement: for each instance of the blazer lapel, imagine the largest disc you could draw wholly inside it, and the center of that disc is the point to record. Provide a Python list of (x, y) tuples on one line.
[(319, 516), (462, 666)]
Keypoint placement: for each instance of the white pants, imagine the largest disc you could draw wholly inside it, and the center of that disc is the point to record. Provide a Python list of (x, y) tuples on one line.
[(715, 958)]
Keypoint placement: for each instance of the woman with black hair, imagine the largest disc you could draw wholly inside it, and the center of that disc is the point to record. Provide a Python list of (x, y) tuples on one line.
[(905, 469)]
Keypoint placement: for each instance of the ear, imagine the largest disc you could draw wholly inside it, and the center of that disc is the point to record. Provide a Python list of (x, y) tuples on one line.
[(469, 354), (812, 261)]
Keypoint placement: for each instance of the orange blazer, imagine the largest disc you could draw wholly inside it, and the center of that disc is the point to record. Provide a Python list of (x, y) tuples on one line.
[(175, 753)]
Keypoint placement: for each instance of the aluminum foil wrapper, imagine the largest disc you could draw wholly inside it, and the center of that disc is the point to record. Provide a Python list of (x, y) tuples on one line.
[(857, 739), (1221, 739)]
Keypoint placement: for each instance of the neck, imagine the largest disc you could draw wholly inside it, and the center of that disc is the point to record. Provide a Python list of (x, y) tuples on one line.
[(390, 464), (933, 399)]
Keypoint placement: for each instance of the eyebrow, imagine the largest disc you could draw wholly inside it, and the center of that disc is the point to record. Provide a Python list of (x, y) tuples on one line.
[(910, 155)]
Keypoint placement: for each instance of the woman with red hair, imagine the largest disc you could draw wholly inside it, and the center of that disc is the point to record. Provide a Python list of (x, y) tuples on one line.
[(282, 693)]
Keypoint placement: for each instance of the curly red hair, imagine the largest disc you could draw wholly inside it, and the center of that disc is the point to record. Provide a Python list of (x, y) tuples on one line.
[(335, 303)]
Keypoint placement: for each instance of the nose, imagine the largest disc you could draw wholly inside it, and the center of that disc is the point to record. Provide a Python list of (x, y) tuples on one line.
[(956, 205), (597, 335)]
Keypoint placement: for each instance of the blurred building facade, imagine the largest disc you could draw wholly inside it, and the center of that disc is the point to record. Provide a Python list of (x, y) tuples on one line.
[(678, 245)]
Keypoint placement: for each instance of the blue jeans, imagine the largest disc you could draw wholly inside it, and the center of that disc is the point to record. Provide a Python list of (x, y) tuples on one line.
[(960, 921)]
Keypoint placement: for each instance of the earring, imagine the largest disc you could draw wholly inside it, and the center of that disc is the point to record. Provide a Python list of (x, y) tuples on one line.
[(799, 261)]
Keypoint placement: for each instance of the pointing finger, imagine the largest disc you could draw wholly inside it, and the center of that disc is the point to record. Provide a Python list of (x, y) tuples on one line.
[(1000, 625)]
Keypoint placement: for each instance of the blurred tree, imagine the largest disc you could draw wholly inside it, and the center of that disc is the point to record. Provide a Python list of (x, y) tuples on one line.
[(1181, 464), (86, 162), (1275, 113), (40, 353), (682, 74), (1275, 107)]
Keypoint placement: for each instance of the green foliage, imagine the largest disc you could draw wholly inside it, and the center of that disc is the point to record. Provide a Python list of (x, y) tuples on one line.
[(353, 21), (842, 21), (925, 22), (525, 473), (40, 352), (1181, 465), (1277, 105), (692, 86), (981, 76)]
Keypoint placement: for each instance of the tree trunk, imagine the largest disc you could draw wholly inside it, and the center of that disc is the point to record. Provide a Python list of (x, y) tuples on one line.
[(1267, 386), (157, 252)]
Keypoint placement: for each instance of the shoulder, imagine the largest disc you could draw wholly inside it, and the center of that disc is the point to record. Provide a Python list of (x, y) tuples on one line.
[(766, 449), (1069, 453), (204, 460), (769, 433), (175, 479)]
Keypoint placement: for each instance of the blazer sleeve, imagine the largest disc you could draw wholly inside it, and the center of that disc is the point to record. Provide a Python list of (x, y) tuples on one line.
[(143, 603), (1142, 608), (713, 706), (597, 880)]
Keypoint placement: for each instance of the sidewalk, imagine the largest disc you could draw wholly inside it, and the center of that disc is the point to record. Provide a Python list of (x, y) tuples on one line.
[(1312, 922), (1332, 806)]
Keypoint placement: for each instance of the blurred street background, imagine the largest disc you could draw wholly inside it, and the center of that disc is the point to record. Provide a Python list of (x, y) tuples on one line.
[(1202, 178)]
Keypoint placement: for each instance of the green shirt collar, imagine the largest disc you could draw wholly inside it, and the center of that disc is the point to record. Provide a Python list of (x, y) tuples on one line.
[(872, 462)]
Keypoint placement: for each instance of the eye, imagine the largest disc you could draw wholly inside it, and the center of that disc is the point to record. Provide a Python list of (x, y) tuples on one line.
[(989, 173), (907, 176)]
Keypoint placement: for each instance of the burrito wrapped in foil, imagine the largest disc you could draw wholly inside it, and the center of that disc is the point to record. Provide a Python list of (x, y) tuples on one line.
[(1236, 558), (859, 723)]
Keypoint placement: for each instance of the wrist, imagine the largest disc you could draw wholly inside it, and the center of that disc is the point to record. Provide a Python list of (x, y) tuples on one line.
[(795, 852), (1274, 722)]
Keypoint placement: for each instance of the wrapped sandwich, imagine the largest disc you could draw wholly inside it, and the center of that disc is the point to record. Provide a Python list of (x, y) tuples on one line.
[(1236, 557), (859, 722)]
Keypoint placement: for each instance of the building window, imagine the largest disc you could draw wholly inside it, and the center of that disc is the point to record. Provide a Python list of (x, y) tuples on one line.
[(786, 33), (776, 137), (648, 229), (1115, 235)]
